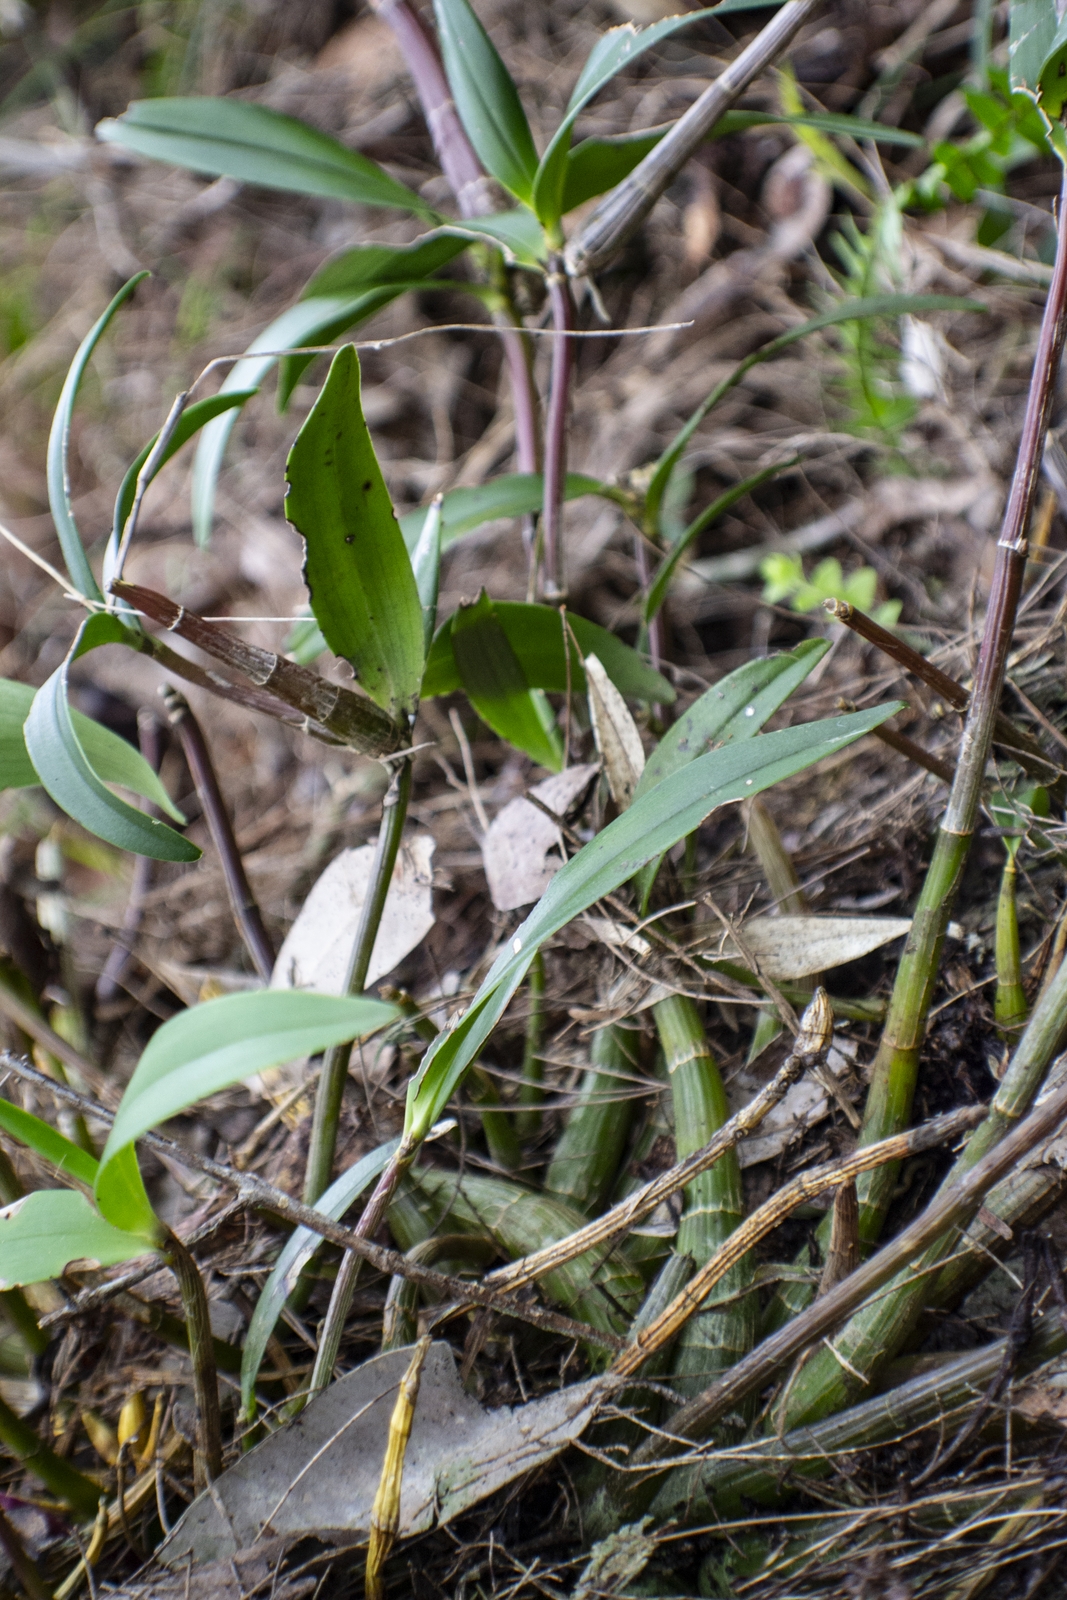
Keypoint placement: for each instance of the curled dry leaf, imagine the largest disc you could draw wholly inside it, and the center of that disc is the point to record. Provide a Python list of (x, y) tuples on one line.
[(616, 734), (795, 947), (317, 947), (318, 1476), (518, 849)]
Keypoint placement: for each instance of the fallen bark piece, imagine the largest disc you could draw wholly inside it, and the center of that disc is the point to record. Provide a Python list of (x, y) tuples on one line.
[(319, 1476)]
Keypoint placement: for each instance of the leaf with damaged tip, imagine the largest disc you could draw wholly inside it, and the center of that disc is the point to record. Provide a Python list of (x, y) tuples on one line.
[(517, 851), (318, 1476), (615, 732)]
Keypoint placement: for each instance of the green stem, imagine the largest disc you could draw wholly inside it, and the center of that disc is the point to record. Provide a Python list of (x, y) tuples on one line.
[(590, 1148), (712, 1340), (531, 1093), (1009, 1002), (208, 1455), (498, 1126), (64, 1481), (334, 1073)]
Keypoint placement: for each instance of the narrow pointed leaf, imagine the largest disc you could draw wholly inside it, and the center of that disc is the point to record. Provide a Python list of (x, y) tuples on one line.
[(512, 495), (78, 789), (234, 139), (496, 685), (486, 98), (1037, 47), (535, 634), (299, 1249), (426, 566), (518, 233), (67, 1158), (213, 1045), (653, 824), (119, 1192), (57, 464), (43, 1233), (357, 567)]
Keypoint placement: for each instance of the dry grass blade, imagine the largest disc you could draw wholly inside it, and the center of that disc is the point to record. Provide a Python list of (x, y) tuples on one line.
[(385, 1513)]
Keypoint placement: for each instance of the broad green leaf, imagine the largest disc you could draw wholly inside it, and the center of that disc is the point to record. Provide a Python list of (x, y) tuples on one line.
[(57, 464), (298, 1250), (512, 495), (486, 98), (1037, 52), (234, 139), (612, 52), (215, 1044), (518, 233), (734, 709), (192, 419), (103, 627), (383, 268), (119, 1192), (497, 687), (661, 580), (65, 770), (880, 305), (67, 1157), (113, 759), (535, 634), (48, 1230), (597, 165), (426, 566), (654, 823), (357, 568)]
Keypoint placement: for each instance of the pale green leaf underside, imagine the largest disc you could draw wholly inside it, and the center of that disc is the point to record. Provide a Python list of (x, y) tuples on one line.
[(42, 1234)]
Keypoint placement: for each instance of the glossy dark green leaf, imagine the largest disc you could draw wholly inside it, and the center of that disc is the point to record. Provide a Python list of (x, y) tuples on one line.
[(880, 305), (535, 634), (77, 788), (661, 580), (651, 826), (236, 139), (596, 165), (217, 1043), (1037, 51), (496, 685), (357, 567), (299, 1249), (57, 464), (112, 758), (192, 419), (67, 1158), (46, 1231), (486, 98)]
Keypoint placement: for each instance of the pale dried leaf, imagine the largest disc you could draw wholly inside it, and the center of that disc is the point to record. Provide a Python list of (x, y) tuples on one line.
[(318, 1476), (317, 947), (616, 734), (805, 1104), (795, 947), (518, 848)]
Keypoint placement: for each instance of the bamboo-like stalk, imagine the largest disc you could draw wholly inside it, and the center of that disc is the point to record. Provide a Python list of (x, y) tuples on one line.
[(554, 583), (69, 1485), (498, 1126), (245, 908), (895, 1066), (1009, 999), (207, 1458), (586, 1159), (531, 1092), (713, 1339)]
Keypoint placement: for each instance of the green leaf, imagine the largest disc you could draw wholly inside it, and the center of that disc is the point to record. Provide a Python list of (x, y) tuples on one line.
[(357, 567), (880, 305), (486, 98), (535, 634), (597, 165), (45, 1232), (518, 233), (104, 627), (612, 52), (426, 567), (652, 825), (384, 268), (512, 495), (496, 685), (119, 1192), (67, 1158), (234, 139), (64, 769), (192, 419), (661, 580), (1037, 52), (215, 1044), (114, 759), (298, 1250), (57, 465)]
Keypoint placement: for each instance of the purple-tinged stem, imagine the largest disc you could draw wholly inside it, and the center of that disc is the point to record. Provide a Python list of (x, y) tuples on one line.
[(562, 303)]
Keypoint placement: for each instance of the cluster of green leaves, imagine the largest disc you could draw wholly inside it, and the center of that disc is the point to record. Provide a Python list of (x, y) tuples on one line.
[(783, 579)]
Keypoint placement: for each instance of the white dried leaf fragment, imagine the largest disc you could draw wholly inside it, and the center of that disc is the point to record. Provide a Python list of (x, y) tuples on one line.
[(317, 947), (523, 849), (615, 732), (796, 947)]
